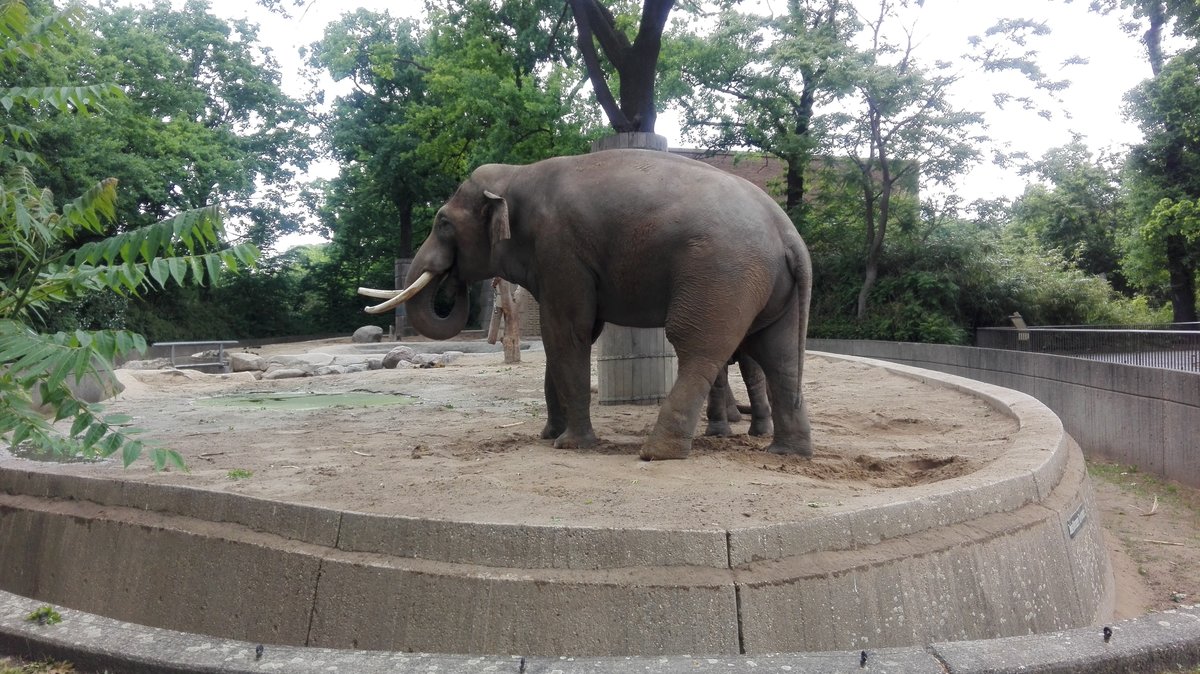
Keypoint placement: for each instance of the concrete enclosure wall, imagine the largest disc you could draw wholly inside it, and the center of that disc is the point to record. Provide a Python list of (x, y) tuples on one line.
[(1147, 417)]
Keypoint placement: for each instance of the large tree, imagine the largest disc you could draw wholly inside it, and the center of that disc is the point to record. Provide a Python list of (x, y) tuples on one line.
[(757, 81), (204, 119), (474, 83), (1075, 207), (635, 62), (905, 124), (1163, 182)]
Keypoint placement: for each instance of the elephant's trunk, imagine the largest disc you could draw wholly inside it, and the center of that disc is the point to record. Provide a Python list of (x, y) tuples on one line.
[(425, 319)]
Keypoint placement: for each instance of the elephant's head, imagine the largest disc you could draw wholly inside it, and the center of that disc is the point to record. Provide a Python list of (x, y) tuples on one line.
[(458, 252)]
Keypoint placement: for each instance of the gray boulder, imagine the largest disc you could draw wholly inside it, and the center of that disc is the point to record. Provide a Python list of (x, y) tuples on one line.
[(304, 361), (368, 334), (329, 369), (246, 362), (400, 353), (152, 364), (285, 373)]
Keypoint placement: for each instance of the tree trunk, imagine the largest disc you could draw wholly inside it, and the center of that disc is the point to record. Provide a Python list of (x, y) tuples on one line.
[(636, 64), (1183, 280), (875, 230)]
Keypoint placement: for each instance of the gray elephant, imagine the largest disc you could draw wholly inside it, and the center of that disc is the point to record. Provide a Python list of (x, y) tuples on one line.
[(637, 238)]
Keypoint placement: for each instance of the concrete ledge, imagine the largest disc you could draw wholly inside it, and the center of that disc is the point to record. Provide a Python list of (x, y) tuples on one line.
[(1009, 549), (1157, 642)]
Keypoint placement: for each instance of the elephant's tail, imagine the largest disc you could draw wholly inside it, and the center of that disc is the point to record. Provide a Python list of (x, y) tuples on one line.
[(801, 267)]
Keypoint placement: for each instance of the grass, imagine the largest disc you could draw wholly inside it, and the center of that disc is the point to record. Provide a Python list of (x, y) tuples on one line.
[(1133, 481), (11, 666), (240, 474)]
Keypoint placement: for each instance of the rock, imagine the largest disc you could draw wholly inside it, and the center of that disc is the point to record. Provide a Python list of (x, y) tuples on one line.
[(329, 369), (374, 363), (247, 362), (357, 367), (429, 360), (153, 364), (396, 355), (285, 373), (450, 356), (304, 361), (368, 334)]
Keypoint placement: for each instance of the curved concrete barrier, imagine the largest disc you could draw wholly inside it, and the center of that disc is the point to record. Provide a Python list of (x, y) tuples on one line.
[(1157, 642), (1143, 416), (1011, 549)]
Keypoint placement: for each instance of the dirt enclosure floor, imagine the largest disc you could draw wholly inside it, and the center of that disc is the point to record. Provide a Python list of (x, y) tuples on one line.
[(460, 442)]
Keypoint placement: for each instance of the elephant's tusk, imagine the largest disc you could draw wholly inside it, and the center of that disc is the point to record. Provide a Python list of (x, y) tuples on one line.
[(401, 297), (381, 294)]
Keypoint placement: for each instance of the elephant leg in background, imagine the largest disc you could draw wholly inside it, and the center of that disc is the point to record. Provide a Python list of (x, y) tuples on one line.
[(721, 406), (568, 329), (756, 389), (724, 410), (776, 349)]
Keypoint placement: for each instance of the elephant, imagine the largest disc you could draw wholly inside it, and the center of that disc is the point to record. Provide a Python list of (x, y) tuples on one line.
[(724, 409), (639, 238)]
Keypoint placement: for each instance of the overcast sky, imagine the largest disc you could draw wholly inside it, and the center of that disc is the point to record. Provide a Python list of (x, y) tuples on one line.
[(943, 27)]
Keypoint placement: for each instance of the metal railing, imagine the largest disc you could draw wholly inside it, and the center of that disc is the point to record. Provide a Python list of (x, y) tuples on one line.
[(1174, 349)]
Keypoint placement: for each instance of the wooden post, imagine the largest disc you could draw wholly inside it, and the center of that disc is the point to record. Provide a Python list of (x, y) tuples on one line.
[(400, 320), (506, 310), (512, 324), (635, 365)]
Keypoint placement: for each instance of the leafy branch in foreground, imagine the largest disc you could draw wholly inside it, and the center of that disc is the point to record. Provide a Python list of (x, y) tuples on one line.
[(39, 374), (50, 255)]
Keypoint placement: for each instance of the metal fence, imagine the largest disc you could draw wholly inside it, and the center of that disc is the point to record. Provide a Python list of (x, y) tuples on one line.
[(1176, 349)]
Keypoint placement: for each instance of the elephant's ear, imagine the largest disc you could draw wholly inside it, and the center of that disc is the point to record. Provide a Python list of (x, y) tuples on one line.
[(499, 223)]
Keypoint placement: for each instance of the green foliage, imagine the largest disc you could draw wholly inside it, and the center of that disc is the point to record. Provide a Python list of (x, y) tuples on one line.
[(1162, 185), (478, 82), (52, 255), (44, 615), (1076, 209)]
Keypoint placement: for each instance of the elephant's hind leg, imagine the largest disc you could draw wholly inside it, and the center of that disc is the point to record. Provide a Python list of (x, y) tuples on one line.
[(777, 351), (701, 358)]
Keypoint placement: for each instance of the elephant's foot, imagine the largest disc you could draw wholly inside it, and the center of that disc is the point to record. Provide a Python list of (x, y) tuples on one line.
[(802, 449), (552, 430), (569, 440), (659, 449), (718, 429), (761, 428)]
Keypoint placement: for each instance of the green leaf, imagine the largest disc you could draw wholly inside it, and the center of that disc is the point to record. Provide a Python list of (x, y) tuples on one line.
[(131, 453)]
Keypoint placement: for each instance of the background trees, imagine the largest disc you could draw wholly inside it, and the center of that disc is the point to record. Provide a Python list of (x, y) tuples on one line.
[(54, 250), (872, 133)]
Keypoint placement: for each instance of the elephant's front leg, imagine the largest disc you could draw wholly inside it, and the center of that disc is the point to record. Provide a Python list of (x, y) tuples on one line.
[(568, 381), (556, 414)]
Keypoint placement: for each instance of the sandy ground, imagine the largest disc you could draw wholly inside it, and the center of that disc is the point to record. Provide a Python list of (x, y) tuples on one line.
[(461, 442)]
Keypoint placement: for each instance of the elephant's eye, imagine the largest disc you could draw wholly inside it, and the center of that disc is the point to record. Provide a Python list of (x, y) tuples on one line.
[(444, 228)]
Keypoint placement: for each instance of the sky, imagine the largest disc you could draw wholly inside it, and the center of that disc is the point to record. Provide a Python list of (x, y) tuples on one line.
[(942, 28)]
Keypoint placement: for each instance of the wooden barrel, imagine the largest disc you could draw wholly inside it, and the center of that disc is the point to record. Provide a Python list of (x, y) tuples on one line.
[(636, 366)]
